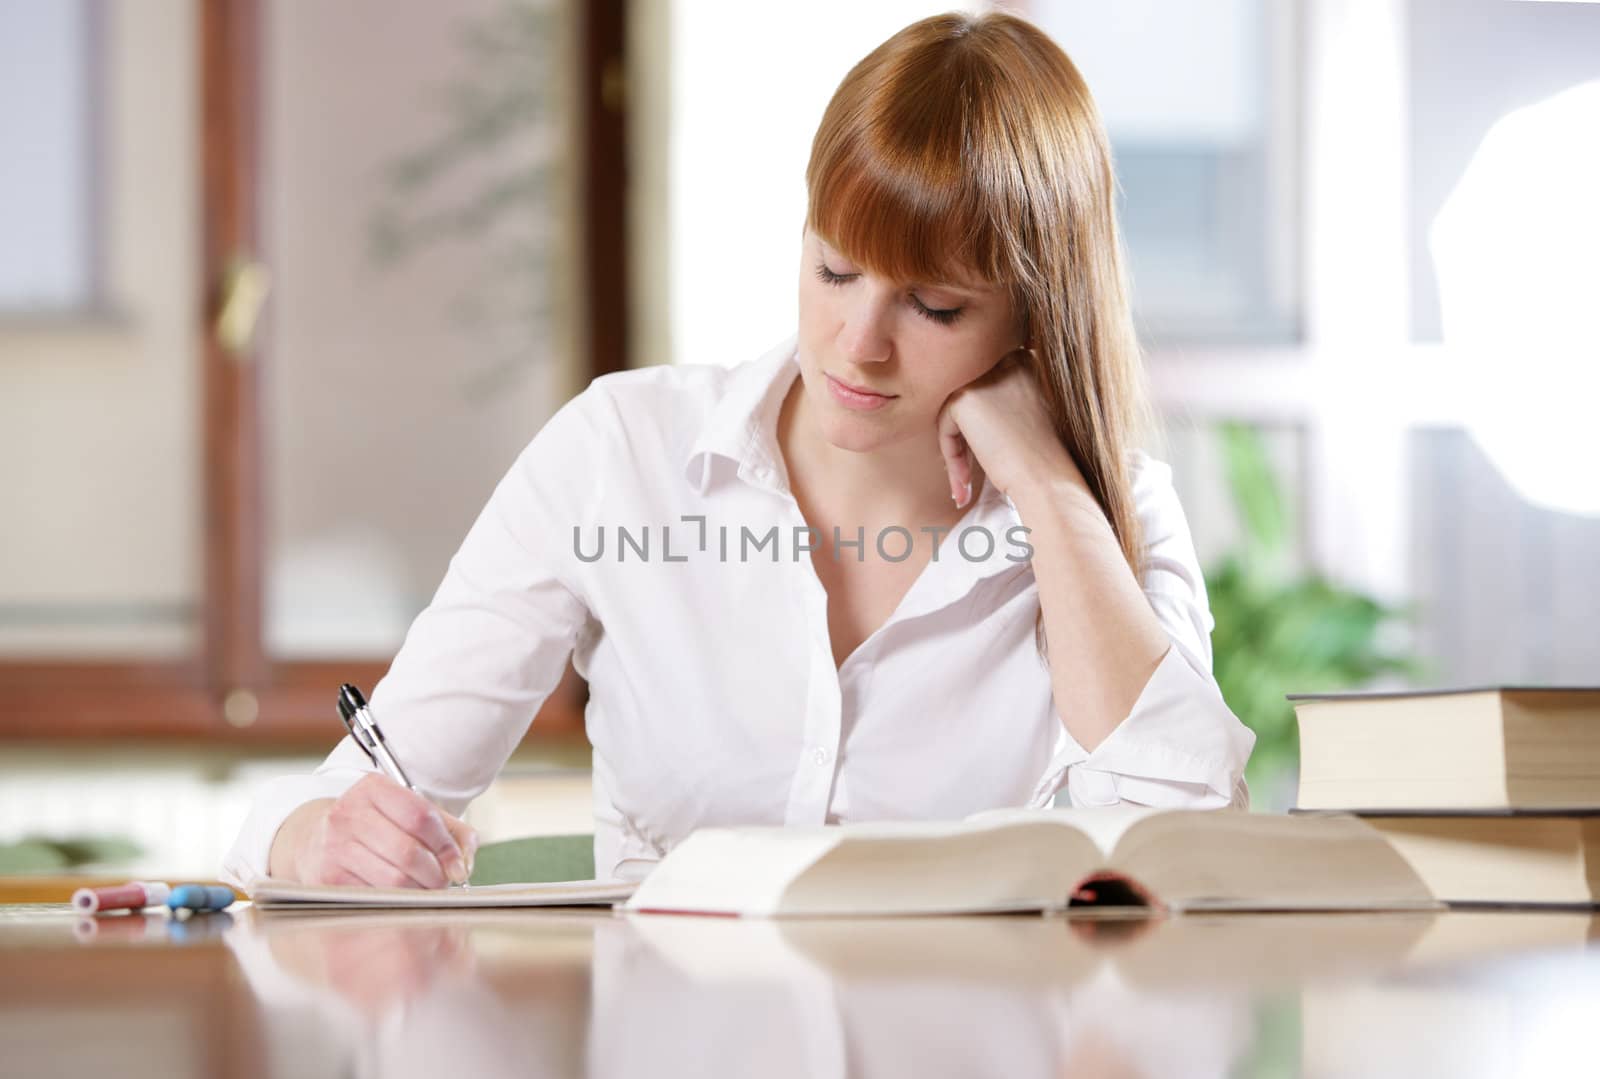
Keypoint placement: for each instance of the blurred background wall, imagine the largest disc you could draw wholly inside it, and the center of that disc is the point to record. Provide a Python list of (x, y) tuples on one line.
[(284, 287)]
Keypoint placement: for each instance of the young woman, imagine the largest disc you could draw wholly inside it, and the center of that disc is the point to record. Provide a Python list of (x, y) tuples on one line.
[(905, 565)]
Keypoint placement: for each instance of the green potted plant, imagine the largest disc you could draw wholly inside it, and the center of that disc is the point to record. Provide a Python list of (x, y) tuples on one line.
[(1281, 631)]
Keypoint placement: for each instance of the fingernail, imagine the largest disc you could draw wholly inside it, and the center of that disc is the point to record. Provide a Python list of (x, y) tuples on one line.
[(969, 493), (456, 871)]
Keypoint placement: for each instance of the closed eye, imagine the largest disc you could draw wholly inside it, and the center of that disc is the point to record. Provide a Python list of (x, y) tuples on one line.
[(943, 316), (828, 277)]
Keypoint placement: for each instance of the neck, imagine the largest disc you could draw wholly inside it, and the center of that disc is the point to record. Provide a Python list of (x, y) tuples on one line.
[(904, 483)]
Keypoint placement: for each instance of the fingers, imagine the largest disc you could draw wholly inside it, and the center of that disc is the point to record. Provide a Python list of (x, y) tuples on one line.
[(420, 820), (466, 838), (417, 865), (957, 458), (381, 834), (962, 469), (360, 865)]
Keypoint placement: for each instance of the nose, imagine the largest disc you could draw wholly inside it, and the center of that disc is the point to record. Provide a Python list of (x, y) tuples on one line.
[(864, 337)]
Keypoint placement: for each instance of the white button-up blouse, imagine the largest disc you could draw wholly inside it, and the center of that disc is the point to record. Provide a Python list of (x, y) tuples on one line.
[(648, 531)]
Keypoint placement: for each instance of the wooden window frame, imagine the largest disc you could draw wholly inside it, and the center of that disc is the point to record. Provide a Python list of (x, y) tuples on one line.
[(231, 691)]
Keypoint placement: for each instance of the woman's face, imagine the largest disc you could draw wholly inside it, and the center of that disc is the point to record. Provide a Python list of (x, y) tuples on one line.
[(911, 344)]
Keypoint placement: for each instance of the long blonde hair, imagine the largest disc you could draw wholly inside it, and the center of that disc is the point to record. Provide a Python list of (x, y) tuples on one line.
[(969, 145)]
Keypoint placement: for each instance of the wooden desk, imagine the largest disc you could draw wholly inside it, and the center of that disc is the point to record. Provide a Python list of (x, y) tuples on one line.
[(484, 993)]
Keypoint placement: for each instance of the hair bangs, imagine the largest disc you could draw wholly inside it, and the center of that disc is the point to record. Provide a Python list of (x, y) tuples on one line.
[(906, 206)]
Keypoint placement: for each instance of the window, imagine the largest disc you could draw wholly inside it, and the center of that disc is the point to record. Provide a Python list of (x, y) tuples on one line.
[(49, 196), (1200, 101)]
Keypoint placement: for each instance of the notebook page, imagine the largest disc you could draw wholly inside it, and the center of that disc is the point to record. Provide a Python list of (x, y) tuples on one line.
[(268, 894)]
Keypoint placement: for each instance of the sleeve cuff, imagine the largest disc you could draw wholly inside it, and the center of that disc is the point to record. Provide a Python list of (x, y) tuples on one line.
[(1179, 746)]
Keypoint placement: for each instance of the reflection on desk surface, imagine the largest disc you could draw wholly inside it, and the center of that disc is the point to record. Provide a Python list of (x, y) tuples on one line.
[(571, 992)]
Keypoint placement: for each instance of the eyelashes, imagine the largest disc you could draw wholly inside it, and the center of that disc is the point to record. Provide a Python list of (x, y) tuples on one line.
[(943, 317)]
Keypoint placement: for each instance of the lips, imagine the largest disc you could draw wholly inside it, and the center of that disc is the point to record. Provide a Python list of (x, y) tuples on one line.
[(857, 399), (863, 390)]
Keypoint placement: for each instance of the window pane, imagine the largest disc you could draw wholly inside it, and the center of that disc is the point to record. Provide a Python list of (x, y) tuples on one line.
[(417, 214), (1471, 63), (1205, 154), (46, 97), (99, 423), (720, 214), (1508, 591)]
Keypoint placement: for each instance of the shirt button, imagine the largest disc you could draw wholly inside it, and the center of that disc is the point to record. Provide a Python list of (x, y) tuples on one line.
[(820, 755)]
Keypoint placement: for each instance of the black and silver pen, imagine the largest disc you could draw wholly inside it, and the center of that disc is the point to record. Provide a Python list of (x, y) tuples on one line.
[(369, 736), (365, 730)]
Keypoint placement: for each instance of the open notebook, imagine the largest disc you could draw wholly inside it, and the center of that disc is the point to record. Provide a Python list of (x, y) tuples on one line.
[(270, 894)]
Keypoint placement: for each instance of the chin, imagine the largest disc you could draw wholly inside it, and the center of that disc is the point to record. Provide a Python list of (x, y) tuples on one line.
[(846, 429), (853, 435)]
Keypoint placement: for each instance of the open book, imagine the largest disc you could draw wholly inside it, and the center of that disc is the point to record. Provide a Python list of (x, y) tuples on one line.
[(270, 894), (1047, 859)]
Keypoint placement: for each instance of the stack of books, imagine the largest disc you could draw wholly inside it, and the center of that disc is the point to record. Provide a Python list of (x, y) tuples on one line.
[(1492, 794)]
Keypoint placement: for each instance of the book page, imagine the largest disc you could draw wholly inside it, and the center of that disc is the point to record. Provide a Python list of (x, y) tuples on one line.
[(945, 868), (901, 867), (1231, 859), (1105, 825), (733, 869)]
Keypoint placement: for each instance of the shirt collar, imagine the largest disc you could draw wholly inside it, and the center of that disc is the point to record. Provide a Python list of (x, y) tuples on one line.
[(743, 424)]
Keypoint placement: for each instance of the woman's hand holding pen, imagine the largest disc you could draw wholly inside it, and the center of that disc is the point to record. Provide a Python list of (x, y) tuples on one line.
[(380, 834)]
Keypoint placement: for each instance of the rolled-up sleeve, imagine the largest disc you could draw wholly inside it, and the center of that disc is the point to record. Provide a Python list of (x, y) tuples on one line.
[(487, 651), (1180, 745)]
